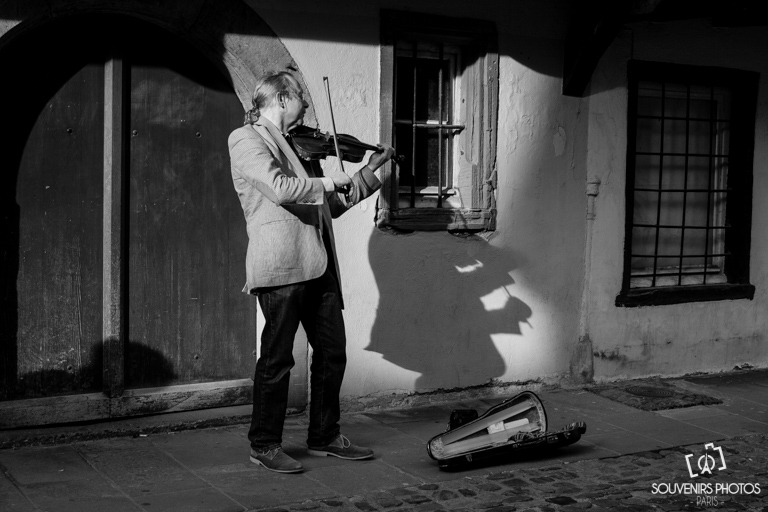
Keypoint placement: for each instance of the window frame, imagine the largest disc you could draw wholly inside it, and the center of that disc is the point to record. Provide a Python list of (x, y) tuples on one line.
[(479, 87), (738, 209)]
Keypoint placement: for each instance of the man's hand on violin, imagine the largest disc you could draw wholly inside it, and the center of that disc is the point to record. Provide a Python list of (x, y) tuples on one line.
[(381, 157), (341, 181)]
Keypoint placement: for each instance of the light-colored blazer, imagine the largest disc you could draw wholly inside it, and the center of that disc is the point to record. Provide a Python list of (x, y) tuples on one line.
[(286, 207)]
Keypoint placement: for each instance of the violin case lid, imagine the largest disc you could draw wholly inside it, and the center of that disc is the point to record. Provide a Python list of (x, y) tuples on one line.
[(518, 423)]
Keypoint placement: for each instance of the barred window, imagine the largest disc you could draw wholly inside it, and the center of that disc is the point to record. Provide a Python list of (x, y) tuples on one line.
[(426, 124), (439, 109), (689, 162)]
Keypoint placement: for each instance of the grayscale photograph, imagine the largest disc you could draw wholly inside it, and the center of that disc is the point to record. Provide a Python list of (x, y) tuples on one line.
[(383, 256)]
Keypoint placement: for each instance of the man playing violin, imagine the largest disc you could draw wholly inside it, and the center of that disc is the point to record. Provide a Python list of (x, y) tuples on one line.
[(291, 266)]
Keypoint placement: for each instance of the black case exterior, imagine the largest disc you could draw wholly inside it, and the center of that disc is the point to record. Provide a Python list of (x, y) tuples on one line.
[(521, 441)]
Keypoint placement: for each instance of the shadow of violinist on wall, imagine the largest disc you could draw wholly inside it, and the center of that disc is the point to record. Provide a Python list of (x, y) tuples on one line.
[(442, 301)]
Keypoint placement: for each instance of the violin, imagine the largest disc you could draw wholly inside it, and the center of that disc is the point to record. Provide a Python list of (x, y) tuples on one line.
[(313, 144)]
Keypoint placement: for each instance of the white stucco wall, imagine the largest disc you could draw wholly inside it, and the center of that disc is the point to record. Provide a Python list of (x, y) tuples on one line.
[(431, 311), (682, 338)]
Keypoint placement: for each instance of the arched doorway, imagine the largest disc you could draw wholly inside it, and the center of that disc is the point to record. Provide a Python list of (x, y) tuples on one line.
[(123, 240)]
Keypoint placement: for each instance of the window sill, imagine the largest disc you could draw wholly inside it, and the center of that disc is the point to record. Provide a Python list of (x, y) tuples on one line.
[(438, 219), (681, 294)]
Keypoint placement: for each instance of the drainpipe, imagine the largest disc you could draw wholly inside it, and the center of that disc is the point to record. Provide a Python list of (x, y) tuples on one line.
[(582, 368)]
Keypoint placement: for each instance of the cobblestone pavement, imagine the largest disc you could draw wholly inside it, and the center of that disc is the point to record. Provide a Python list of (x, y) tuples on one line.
[(637, 482)]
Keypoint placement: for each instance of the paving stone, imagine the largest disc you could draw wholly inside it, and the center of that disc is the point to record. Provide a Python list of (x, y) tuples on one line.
[(403, 492), (415, 499), (139, 467), (671, 507), (598, 487), (198, 500), (591, 495), (444, 495), (386, 501), (633, 508), (607, 503), (618, 493), (624, 481), (576, 507), (561, 500), (307, 506), (520, 498), (90, 505), (567, 487), (499, 476), (515, 482)]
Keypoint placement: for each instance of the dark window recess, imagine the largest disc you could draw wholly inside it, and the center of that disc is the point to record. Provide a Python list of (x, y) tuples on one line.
[(424, 128), (439, 92), (689, 184)]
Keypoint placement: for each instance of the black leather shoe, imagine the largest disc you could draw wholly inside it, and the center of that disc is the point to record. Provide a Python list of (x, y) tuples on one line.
[(276, 460), (342, 448)]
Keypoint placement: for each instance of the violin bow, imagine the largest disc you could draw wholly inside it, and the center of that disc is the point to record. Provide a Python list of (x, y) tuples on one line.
[(335, 137)]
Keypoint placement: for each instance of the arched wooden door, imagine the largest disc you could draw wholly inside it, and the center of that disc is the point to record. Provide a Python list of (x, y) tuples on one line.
[(123, 242)]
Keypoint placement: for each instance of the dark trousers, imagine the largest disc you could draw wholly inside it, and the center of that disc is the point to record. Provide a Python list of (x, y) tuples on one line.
[(316, 304)]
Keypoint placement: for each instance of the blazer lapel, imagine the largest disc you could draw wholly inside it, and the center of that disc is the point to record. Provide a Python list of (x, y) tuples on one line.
[(278, 144)]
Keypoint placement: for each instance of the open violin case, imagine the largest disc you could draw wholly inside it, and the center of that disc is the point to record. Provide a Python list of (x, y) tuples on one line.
[(518, 423)]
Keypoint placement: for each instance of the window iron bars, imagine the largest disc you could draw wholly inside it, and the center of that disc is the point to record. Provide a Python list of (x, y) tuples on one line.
[(686, 190), (677, 226), (682, 118), (413, 120), (676, 255), (709, 254), (661, 184), (685, 187), (440, 134), (687, 272), (650, 153), (713, 114), (441, 126)]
